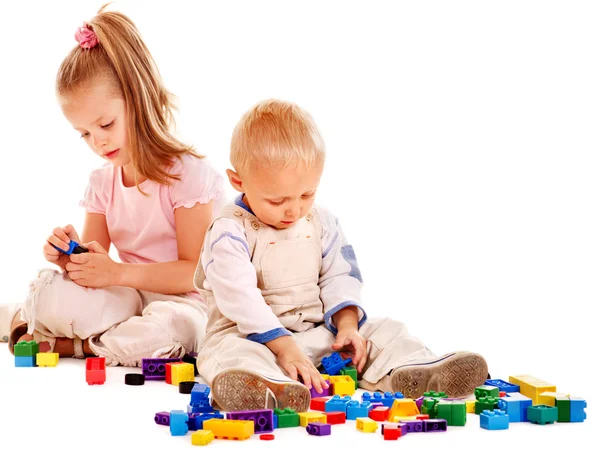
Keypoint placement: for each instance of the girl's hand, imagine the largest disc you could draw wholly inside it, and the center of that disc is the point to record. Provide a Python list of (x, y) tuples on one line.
[(94, 269), (351, 344), (61, 237)]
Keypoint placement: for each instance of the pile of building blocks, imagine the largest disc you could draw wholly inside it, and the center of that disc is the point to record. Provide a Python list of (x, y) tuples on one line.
[(27, 354)]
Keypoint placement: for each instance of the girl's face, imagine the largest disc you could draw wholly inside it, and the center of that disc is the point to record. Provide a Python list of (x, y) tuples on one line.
[(98, 114)]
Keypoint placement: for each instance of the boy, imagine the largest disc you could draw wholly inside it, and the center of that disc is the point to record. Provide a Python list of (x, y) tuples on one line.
[(283, 285)]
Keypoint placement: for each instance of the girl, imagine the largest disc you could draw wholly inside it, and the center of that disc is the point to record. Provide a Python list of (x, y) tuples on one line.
[(153, 200)]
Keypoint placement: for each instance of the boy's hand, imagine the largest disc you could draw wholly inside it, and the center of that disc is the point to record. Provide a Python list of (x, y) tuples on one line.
[(94, 269), (351, 344), (61, 237), (296, 363)]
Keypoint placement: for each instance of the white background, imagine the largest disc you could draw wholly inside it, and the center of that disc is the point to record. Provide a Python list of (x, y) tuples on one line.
[(463, 161)]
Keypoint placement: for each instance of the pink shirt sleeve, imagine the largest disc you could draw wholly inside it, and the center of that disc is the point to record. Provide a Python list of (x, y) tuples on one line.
[(95, 198), (199, 183)]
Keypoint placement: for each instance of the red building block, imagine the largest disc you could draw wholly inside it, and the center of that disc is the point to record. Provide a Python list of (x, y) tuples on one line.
[(391, 432), (95, 370), (168, 371), (502, 394), (379, 414), (318, 403), (422, 417), (335, 418)]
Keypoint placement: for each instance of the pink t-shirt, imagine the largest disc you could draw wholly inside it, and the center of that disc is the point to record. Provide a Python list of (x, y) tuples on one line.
[(142, 227)]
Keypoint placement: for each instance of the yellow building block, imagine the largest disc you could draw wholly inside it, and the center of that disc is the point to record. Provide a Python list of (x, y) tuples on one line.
[(230, 429), (181, 372), (470, 406), (202, 437), (366, 425), (46, 359), (549, 398), (531, 387), (396, 419), (404, 407), (325, 376), (342, 385), (311, 416)]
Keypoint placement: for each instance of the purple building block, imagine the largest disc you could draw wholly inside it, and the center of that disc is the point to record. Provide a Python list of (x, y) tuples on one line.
[(403, 428), (334, 363), (419, 402), (414, 426), (155, 368), (435, 425), (162, 418), (262, 418), (319, 429), (326, 392)]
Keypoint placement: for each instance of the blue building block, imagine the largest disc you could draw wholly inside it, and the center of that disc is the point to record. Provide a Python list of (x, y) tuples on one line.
[(200, 418), (25, 361), (503, 385), (512, 407), (200, 394), (334, 363), (386, 399), (354, 410), (337, 404), (178, 423), (199, 408), (577, 409), (493, 420), (262, 418), (523, 402), (275, 421)]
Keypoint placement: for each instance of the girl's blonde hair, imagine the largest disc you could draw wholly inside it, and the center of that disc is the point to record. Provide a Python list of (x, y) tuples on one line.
[(123, 60), (276, 133)]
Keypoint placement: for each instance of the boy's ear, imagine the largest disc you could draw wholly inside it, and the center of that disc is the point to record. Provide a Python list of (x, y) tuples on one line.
[(235, 180)]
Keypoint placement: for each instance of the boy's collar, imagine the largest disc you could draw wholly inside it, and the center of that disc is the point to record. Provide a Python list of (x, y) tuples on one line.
[(239, 202)]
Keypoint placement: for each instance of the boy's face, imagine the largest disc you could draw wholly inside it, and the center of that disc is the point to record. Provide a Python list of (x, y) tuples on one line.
[(278, 196)]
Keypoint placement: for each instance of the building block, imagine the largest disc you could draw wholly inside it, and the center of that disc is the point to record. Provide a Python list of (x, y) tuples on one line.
[(542, 414), (387, 399), (390, 432), (262, 418), (549, 398), (503, 385), (335, 418), (334, 363), (470, 406), (366, 425), (95, 370), (168, 371), (494, 420), (26, 348), (181, 372), (162, 418), (455, 413), (192, 359), (287, 418), (531, 387), (326, 391), (379, 414), (352, 373), (318, 429), (178, 423), (342, 385), (577, 413), (200, 400), (404, 407), (310, 416), (429, 407), (202, 437), (318, 403), (414, 426), (46, 359), (267, 437), (422, 417), (431, 425), (434, 394), (155, 368), (25, 361), (486, 391), (355, 409), (564, 409), (238, 430), (275, 421), (200, 418), (337, 403), (486, 403)]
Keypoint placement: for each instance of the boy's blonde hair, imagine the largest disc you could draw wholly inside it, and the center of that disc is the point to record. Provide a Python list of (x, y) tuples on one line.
[(276, 133), (122, 59)]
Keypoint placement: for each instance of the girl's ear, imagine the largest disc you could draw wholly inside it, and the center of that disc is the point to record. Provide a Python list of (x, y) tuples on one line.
[(235, 180)]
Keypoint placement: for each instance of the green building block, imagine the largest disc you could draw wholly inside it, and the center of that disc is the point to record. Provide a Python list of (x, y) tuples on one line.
[(487, 391), (429, 407), (352, 373), (434, 394), (542, 414), (26, 348), (454, 412), (564, 409), (484, 403), (287, 418)]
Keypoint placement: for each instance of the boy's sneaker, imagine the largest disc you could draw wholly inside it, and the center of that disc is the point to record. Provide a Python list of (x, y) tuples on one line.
[(8, 311), (456, 374), (239, 390)]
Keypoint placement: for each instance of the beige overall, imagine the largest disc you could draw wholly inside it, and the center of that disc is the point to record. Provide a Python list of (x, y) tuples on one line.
[(288, 269)]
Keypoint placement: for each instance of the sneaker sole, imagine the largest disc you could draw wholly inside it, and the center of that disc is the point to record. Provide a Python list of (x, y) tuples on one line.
[(456, 374), (240, 390)]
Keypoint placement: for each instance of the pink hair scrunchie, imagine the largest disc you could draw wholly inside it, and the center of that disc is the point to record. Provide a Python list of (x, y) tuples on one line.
[(86, 36)]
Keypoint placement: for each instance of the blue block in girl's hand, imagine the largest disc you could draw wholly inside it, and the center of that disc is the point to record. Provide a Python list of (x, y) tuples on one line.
[(74, 248)]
